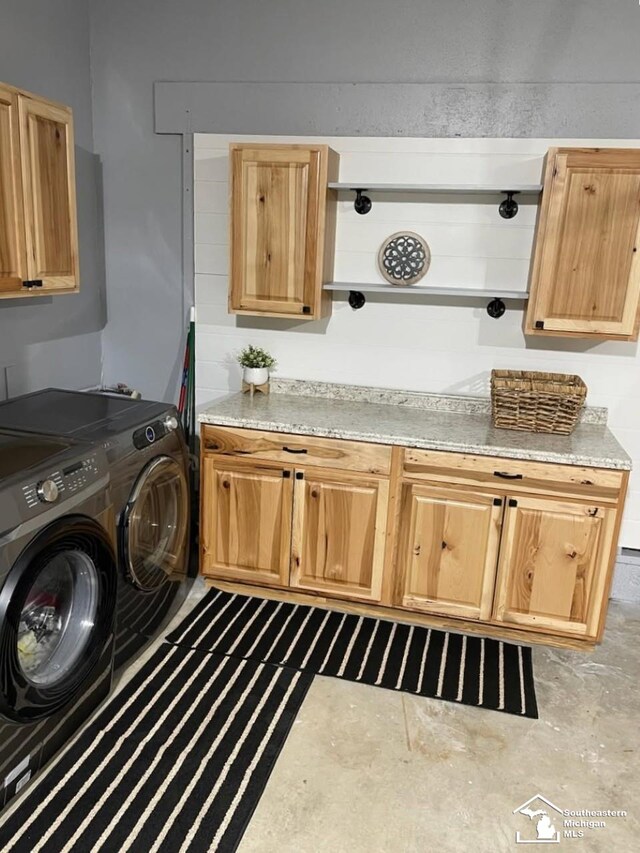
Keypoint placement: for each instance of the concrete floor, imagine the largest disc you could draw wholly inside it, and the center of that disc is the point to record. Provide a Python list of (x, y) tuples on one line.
[(367, 770)]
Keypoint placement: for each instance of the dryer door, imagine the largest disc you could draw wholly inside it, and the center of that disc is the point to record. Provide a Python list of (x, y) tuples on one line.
[(57, 610), (154, 530)]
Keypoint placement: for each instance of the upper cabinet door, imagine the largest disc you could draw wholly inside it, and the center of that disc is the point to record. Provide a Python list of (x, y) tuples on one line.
[(554, 563), (48, 176), (281, 229), (586, 271), (13, 268)]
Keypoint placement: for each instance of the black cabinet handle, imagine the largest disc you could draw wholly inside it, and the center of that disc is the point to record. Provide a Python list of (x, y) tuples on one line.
[(291, 450), (506, 476)]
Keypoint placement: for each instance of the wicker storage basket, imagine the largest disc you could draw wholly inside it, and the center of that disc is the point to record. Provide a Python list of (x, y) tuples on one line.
[(536, 402)]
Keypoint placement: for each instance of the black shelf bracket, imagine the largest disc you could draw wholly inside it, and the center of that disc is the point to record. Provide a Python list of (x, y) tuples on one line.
[(362, 203), (509, 207), (496, 308), (356, 299)]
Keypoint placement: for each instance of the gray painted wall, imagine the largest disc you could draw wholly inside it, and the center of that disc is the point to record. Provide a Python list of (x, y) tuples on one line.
[(44, 47), (460, 42)]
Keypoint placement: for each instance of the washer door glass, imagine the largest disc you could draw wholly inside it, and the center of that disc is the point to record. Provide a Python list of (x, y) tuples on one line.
[(57, 609), (58, 618), (156, 525)]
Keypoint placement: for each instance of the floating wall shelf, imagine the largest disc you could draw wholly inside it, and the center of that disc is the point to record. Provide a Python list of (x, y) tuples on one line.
[(507, 209), (495, 308), (461, 189)]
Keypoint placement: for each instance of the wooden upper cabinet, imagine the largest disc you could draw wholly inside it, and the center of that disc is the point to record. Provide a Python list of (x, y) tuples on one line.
[(339, 524), (585, 279), (48, 177), (448, 551), (38, 220), (282, 229), (246, 526), (554, 563), (13, 266)]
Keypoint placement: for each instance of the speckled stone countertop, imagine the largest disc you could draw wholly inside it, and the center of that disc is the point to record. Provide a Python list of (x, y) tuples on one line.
[(429, 421)]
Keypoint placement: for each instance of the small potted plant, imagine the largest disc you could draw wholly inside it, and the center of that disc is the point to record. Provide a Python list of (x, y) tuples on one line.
[(256, 364)]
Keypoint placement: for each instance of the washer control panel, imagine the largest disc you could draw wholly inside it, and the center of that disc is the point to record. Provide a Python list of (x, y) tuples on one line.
[(61, 483), (149, 434)]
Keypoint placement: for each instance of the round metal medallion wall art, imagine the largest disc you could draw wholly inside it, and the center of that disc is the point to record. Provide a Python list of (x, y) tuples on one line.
[(404, 258)]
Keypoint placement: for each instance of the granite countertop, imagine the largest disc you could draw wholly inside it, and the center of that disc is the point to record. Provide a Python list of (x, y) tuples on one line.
[(430, 421)]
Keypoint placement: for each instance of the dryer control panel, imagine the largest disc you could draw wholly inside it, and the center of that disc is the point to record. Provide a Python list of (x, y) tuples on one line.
[(149, 434)]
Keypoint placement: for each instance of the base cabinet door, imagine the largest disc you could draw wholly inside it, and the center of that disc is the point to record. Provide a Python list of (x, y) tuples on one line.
[(448, 551), (553, 565), (246, 528), (339, 535)]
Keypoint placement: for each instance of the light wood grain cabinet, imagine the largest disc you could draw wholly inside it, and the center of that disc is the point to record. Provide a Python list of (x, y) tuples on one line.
[(38, 219), (13, 261), (282, 229), (246, 524), (318, 523), (339, 524), (513, 549), (553, 565), (585, 279), (49, 185), (448, 550)]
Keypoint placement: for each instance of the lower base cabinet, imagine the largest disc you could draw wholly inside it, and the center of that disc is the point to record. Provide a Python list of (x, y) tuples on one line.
[(246, 521), (448, 551), (512, 549), (319, 531), (339, 525), (553, 565)]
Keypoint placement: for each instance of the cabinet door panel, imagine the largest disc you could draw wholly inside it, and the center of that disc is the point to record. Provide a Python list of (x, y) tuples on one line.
[(246, 525), (277, 208), (339, 535), (48, 174), (586, 276), (12, 249), (449, 551), (553, 565)]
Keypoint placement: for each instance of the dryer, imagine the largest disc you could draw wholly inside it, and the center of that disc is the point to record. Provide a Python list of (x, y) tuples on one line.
[(57, 597), (149, 470)]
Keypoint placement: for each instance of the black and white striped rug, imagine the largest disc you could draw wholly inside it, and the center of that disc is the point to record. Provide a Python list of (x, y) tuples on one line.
[(177, 761), (471, 670)]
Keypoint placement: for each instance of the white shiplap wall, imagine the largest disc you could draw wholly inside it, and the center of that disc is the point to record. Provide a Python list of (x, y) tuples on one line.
[(436, 345)]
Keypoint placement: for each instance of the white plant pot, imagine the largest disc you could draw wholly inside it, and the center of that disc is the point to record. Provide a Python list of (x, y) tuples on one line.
[(255, 375)]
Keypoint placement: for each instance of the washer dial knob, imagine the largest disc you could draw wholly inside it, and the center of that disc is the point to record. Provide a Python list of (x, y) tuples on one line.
[(171, 423), (47, 491)]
